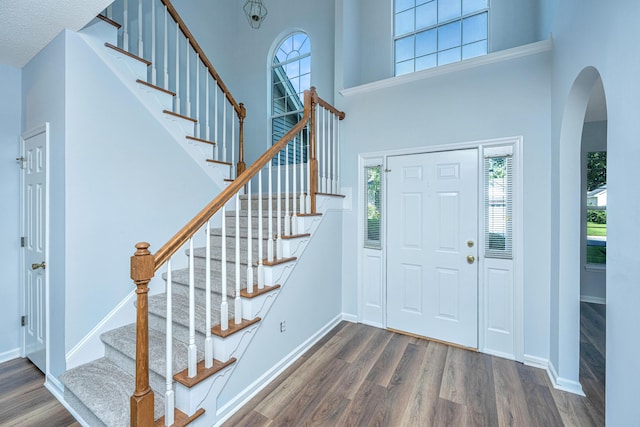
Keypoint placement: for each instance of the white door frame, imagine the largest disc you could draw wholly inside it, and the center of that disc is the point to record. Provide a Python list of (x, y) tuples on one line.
[(25, 136), (518, 248)]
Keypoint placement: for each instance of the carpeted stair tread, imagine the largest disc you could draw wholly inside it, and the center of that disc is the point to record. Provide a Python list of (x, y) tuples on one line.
[(105, 389), (181, 277), (180, 305), (123, 339)]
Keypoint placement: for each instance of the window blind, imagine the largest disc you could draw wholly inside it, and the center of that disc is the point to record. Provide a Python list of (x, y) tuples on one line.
[(498, 206), (373, 202)]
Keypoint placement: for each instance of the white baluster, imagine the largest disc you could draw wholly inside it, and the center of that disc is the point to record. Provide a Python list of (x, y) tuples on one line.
[(177, 97), (140, 19), (224, 306), (303, 208), (165, 64), (224, 129), (260, 234), (308, 194), (207, 128), (249, 242), (279, 209), (192, 353), (294, 216), (125, 26), (233, 141), (334, 162), (198, 95), (153, 43), (338, 157), (238, 300), (187, 86), (208, 341), (169, 401), (215, 123), (287, 214), (325, 156), (270, 241)]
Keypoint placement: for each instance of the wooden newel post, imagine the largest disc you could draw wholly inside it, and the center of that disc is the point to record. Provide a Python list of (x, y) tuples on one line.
[(313, 166), (142, 270), (242, 166)]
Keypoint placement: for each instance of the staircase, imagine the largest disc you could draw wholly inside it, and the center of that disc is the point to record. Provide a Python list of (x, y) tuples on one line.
[(225, 269)]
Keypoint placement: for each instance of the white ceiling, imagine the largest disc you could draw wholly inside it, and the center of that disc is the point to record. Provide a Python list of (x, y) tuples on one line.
[(26, 26)]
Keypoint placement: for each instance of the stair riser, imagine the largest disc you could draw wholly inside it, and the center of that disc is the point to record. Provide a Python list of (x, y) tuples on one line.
[(200, 282), (265, 204), (180, 332), (216, 250), (87, 415), (156, 381)]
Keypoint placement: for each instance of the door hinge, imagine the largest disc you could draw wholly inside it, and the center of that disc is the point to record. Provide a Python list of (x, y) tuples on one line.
[(23, 321), (21, 160), (23, 242)]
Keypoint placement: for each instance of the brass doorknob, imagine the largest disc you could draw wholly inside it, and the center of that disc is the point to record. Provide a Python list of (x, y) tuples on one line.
[(42, 265), (470, 259)]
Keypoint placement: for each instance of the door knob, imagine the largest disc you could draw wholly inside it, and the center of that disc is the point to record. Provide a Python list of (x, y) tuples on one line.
[(42, 265), (470, 259)]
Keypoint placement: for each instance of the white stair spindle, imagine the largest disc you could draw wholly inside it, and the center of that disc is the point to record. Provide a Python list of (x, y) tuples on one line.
[(187, 86), (334, 162), (325, 157), (233, 141), (270, 241), (153, 43), (260, 233), (198, 95), (215, 123), (207, 128), (238, 300), (249, 242), (287, 214), (177, 97), (279, 209), (294, 199), (192, 351), (208, 341), (140, 19), (224, 305), (224, 130), (338, 156), (125, 26), (169, 400), (165, 48), (307, 203)]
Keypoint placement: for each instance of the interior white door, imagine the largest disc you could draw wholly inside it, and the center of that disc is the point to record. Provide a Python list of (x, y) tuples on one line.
[(432, 230), (35, 234)]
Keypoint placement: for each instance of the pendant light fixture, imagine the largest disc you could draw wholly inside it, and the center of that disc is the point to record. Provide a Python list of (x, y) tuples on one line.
[(255, 12)]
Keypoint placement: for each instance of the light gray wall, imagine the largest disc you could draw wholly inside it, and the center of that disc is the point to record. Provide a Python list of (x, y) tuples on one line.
[(10, 129), (509, 98), (368, 26), (43, 100), (592, 33)]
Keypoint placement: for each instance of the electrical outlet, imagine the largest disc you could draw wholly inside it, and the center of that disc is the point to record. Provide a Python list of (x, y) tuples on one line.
[(283, 326)]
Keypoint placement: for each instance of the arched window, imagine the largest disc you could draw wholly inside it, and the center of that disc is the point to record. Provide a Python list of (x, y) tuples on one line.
[(290, 77)]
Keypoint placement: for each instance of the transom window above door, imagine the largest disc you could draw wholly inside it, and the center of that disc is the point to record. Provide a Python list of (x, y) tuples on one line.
[(429, 33)]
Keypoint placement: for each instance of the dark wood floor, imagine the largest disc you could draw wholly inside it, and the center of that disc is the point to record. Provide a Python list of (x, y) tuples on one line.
[(360, 376), (25, 402)]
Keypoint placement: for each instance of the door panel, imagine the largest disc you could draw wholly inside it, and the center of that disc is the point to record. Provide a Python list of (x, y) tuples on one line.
[(34, 217), (432, 213)]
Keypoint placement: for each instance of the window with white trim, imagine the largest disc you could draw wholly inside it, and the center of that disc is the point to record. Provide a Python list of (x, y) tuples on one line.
[(373, 204), (290, 77), (429, 33), (596, 208), (498, 204)]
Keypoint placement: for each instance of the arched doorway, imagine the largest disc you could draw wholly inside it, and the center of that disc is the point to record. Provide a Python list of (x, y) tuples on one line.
[(565, 343)]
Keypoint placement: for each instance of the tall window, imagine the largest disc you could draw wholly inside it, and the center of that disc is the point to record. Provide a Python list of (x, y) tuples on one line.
[(290, 77), (428, 33), (498, 197), (596, 209), (373, 201)]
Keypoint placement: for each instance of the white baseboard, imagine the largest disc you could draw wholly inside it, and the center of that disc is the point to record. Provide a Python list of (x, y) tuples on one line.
[(593, 300), (350, 317), (57, 389), (562, 383), (9, 355), (231, 407), (536, 362), (91, 347)]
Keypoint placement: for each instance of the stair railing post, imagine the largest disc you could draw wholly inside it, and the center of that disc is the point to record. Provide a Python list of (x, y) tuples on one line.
[(142, 270), (313, 176), (242, 166)]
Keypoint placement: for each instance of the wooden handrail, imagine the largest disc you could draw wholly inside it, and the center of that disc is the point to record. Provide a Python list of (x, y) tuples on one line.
[(192, 41)]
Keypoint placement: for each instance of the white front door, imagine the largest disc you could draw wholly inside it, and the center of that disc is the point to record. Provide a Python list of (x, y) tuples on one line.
[(432, 231), (35, 244)]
